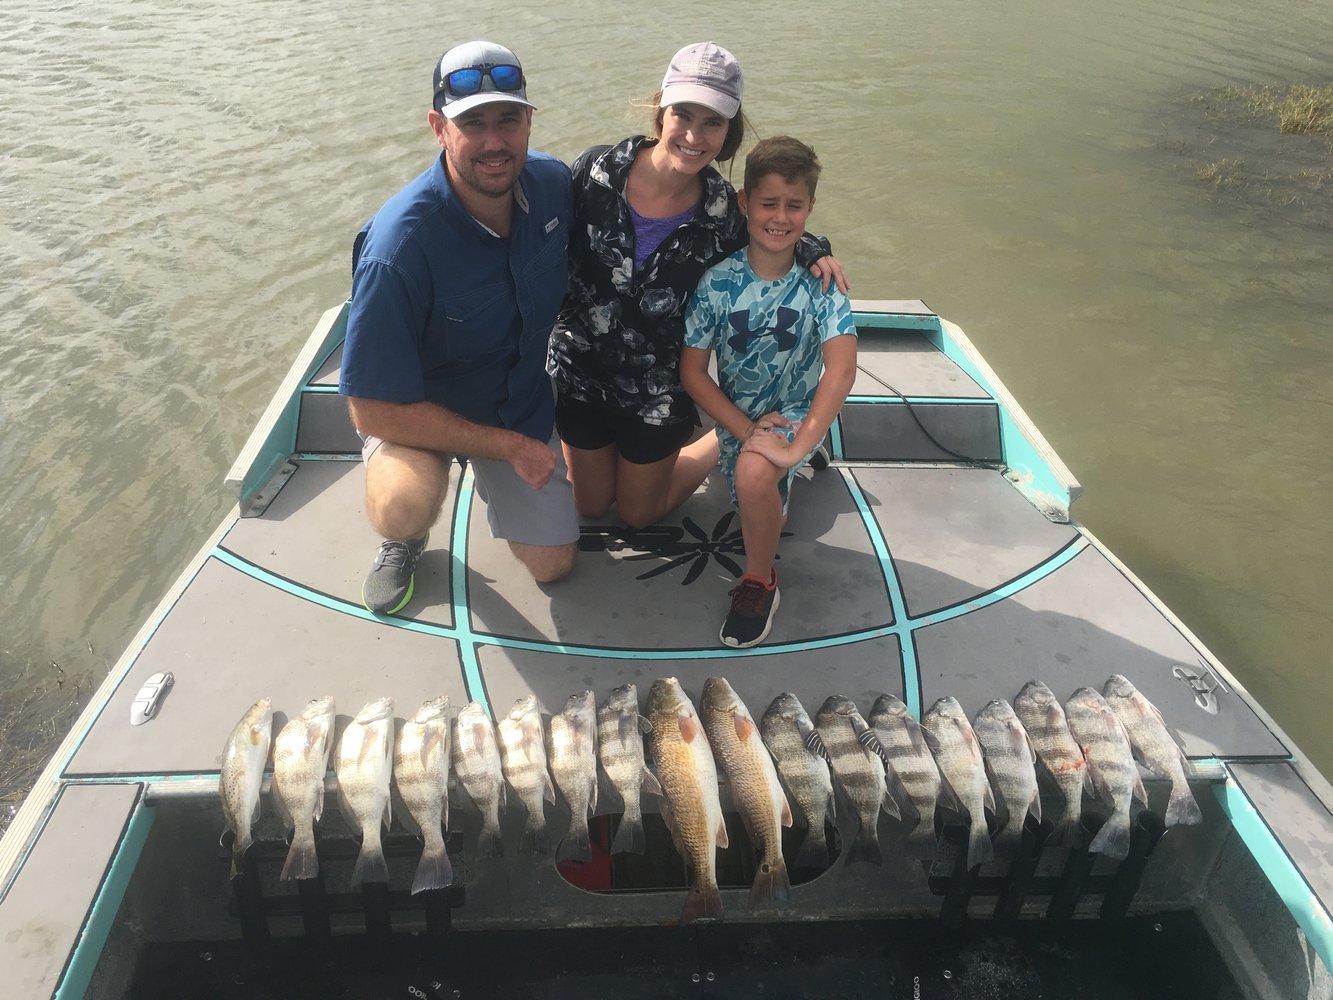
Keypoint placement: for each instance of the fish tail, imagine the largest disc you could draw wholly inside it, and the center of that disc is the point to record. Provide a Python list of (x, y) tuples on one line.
[(629, 835), (1067, 833), (1112, 839), (577, 845), (813, 852), (1181, 808), (703, 903), (865, 846), (302, 859), (435, 871), (370, 863), (921, 842), (980, 850), (535, 839), (771, 883), (489, 843)]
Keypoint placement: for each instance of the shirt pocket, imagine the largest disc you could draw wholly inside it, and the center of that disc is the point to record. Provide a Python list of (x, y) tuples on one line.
[(477, 325)]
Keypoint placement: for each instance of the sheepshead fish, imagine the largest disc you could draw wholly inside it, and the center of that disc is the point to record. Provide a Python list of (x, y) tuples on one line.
[(1111, 767), (421, 772), (854, 757), (572, 740), (365, 762), (755, 788), (300, 761), (523, 757), (242, 773), (690, 803), (620, 750), (1152, 743), (905, 748), (476, 762), (1012, 765), (958, 754), (803, 766), (1058, 754)]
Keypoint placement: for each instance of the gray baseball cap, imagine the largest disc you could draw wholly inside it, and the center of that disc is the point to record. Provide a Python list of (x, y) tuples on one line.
[(477, 73), (704, 73)]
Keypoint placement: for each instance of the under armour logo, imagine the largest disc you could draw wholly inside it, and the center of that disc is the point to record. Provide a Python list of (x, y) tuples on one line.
[(782, 329)]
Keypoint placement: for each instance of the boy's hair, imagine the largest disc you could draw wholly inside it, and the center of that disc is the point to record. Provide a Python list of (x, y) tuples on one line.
[(789, 158), (735, 127)]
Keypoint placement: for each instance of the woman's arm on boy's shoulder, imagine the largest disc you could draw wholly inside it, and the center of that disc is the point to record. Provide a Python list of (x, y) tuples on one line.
[(834, 384)]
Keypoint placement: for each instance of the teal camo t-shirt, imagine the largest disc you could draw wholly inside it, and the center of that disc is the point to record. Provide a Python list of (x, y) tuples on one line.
[(768, 335)]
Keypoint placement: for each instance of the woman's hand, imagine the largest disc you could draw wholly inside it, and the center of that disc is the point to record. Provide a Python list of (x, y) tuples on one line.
[(829, 268)]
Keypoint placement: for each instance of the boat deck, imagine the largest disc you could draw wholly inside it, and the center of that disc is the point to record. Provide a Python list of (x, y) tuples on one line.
[(935, 557)]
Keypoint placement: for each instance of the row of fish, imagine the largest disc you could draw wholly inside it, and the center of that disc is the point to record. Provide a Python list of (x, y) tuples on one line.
[(485, 759), (781, 768)]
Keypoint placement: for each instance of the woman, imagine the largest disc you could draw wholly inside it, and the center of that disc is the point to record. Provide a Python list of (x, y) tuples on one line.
[(651, 214)]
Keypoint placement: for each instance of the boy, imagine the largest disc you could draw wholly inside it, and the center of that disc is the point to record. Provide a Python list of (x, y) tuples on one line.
[(771, 326)]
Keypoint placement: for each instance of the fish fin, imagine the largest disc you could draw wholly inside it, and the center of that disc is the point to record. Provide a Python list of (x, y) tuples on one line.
[(548, 788), (980, 850), (577, 845), (787, 819), (815, 744), (669, 818), (535, 838), (433, 737), (318, 814), (387, 819), (1182, 809), (866, 737), (645, 726), (629, 837), (489, 843), (650, 783), (626, 728), (813, 852), (1034, 807), (1112, 840), (435, 871), (744, 725), (444, 810), (907, 810), (1140, 792), (865, 846), (988, 799), (689, 728), (832, 805), (370, 863), (702, 904), (771, 883), (889, 804), (720, 838), (302, 860), (592, 796)]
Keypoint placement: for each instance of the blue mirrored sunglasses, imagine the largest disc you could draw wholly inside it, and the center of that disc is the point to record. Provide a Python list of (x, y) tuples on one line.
[(466, 82)]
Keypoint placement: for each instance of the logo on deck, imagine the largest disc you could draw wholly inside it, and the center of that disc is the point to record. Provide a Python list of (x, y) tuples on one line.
[(686, 544)]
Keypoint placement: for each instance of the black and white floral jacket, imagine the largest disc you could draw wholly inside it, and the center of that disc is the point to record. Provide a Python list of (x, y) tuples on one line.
[(617, 341)]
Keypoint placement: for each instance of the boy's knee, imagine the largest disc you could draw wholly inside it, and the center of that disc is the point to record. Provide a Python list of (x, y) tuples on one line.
[(755, 477), (547, 563)]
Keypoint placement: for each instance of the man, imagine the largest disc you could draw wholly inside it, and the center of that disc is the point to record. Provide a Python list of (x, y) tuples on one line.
[(456, 285)]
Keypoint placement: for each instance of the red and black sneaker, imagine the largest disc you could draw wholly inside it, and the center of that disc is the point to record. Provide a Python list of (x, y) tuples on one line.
[(751, 616)]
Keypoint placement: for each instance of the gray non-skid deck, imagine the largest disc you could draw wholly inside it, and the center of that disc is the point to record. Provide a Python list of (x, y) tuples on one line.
[(900, 572)]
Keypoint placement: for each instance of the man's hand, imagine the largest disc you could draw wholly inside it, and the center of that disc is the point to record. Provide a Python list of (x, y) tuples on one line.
[(533, 461)]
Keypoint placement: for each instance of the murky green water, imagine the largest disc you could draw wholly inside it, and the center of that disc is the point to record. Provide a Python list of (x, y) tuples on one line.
[(179, 187)]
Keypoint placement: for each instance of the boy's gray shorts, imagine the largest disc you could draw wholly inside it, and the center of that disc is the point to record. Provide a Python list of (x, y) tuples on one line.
[(514, 510)]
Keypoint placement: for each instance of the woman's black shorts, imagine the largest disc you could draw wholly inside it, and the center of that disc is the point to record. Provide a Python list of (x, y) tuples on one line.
[(591, 426)]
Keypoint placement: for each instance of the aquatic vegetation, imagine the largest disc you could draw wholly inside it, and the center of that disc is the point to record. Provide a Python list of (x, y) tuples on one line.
[(1299, 109)]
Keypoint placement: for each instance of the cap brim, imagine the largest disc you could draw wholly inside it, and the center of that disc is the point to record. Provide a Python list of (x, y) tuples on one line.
[(694, 93), (455, 108)]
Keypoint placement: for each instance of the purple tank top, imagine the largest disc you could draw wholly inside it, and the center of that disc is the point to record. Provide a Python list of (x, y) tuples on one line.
[(649, 233)]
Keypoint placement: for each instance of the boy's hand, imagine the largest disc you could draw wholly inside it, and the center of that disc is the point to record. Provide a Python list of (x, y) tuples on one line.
[(773, 444), (771, 421), (830, 268)]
